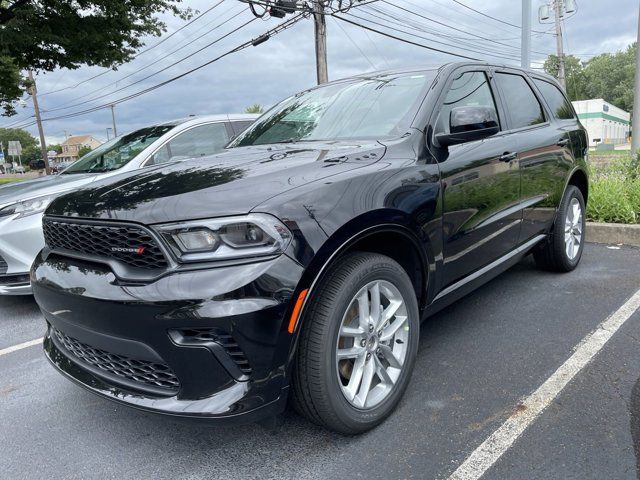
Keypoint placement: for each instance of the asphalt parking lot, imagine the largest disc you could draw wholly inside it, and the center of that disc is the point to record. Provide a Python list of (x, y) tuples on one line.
[(478, 359)]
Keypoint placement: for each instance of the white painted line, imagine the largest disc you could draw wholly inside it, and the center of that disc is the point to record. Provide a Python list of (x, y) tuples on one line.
[(20, 346), (488, 453)]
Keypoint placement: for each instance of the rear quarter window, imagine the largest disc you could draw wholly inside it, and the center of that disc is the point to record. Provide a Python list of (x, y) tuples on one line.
[(558, 103)]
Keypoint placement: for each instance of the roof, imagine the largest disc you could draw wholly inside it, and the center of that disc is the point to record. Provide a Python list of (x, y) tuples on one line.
[(211, 118), (77, 139)]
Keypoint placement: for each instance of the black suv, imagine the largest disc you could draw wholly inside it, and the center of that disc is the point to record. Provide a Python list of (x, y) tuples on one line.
[(298, 263)]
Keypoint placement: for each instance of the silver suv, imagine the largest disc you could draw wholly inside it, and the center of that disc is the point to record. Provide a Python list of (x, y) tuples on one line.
[(22, 204)]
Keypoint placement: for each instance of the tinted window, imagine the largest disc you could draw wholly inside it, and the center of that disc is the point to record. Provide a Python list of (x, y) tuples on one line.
[(195, 142), (469, 89), (557, 102), (367, 107), (520, 101)]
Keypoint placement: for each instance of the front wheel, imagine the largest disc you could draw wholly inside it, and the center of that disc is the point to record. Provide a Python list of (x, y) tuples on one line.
[(563, 250), (358, 344)]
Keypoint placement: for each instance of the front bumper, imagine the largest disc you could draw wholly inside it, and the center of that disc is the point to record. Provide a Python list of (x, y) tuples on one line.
[(20, 241), (203, 344)]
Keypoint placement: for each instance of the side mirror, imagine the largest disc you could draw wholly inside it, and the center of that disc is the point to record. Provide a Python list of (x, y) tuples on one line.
[(467, 124)]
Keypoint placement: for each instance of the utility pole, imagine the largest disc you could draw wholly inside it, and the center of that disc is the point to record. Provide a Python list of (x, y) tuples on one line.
[(43, 145), (558, 13), (636, 101), (113, 120), (321, 41), (525, 44)]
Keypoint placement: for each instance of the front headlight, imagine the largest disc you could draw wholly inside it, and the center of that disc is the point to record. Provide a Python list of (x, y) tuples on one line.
[(27, 207), (253, 235)]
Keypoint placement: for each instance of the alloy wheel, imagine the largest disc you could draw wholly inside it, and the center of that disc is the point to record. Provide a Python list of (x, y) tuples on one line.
[(573, 229), (372, 344)]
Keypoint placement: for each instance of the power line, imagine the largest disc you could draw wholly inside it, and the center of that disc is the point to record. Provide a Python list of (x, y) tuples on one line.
[(492, 18), (159, 71), (146, 66), (462, 41), (405, 40), (505, 57), (450, 26), (254, 42), (354, 43), (141, 52)]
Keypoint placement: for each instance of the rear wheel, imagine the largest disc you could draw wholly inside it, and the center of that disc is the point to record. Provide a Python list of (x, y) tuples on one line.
[(563, 250), (358, 344)]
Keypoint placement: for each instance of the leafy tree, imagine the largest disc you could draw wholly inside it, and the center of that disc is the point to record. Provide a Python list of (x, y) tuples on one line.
[(608, 76), (83, 151), (611, 76), (24, 137), (574, 75), (55, 147), (52, 34), (255, 108)]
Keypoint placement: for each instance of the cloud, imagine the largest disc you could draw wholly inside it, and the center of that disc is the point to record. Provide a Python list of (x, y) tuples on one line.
[(286, 63)]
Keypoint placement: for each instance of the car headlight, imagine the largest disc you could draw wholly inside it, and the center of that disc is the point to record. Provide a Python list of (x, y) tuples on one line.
[(253, 235), (27, 207)]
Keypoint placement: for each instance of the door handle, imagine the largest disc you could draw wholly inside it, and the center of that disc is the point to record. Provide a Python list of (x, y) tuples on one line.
[(508, 156), (563, 142)]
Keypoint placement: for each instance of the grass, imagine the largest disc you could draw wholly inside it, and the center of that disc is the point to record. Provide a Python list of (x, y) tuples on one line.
[(614, 192), (11, 180)]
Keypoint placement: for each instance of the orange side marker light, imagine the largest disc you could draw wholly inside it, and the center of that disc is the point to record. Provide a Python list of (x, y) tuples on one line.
[(293, 321)]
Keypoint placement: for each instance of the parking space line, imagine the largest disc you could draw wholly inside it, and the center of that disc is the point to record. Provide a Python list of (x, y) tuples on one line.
[(488, 453), (20, 346)]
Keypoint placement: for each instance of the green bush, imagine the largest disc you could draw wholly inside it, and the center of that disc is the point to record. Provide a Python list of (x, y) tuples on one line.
[(614, 192)]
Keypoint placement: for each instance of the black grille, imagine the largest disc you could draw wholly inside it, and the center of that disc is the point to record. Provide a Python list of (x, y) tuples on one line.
[(3, 266), (139, 249), (225, 340), (140, 371)]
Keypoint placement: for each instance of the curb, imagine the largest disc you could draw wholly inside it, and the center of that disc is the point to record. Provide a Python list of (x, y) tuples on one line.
[(613, 233)]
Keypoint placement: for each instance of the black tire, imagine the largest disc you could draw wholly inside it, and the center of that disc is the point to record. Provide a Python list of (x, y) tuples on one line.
[(316, 392), (552, 254)]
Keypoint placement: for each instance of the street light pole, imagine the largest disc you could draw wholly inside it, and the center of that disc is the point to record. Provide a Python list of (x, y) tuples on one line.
[(113, 120), (525, 44), (636, 102), (43, 145)]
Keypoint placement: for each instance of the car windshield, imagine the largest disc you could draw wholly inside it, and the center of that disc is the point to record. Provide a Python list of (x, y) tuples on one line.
[(118, 152), (363, 108)]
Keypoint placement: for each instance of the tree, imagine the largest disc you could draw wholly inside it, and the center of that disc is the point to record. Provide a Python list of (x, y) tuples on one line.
[(55, 147), (611, 76), (25, 138), (47, 35), (255, 108), (83, 151), (608, 76), (574, 75)]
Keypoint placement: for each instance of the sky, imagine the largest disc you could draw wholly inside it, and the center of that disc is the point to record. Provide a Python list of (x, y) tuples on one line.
[(285, 64)]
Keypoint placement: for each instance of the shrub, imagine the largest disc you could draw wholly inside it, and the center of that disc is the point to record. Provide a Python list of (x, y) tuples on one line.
[(614, 192)]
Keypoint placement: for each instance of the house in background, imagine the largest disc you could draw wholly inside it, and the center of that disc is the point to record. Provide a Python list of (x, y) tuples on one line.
[(605, 123), (72, 145)]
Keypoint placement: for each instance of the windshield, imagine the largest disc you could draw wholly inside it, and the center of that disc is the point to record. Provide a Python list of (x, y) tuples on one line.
[(118, 152), (362, 108)]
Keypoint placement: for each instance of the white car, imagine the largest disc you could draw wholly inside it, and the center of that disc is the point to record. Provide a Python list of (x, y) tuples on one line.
[(22, 203)]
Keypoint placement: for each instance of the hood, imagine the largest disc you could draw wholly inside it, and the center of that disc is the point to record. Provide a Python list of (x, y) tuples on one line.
[(46, 185), (229, 183)]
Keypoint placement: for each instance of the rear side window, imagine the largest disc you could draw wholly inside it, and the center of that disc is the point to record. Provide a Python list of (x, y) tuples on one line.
[(240, 126), (195, 142), (469, 89), (520, 101), (557, 102)]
